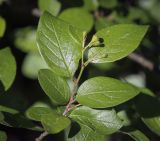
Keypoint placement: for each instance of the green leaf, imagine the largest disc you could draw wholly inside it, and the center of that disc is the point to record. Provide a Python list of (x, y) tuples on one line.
[(2, 26), (54, 123), (1, 116), (108, 3), (25, 39), (54, 86), (3, 136), (78, 17), (52, 6), (7, 67), (19, 121), (148, 110), (91, 5), (32, 63), (60, 44), (85, 134), (35, 113), (8, 110), (103, 92), (137, 135), (119, 41), (101, 121)]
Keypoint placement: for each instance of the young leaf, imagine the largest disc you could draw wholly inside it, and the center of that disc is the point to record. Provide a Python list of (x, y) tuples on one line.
[(101, 121), (54, 123), (54, 86), (2, 26), (7, 67), (103, 92), (85, 134), (52, 6), (119, 41), (58, 44), (78, 17), (35, 113), (3, 136)]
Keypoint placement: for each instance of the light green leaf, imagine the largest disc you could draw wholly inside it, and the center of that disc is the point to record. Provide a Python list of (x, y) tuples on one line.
[(52, 6), (2, 26), (148, 110), (85, 134), (78, 17), (101, 121), (108, 3), (54, 86), (7, 67), (58, 44), (35, 113), (25, 39), (8, 110), (32, 63), (3, 136), (137, 135), (54, 123), (103, 92), (91, 5), (119, 41)]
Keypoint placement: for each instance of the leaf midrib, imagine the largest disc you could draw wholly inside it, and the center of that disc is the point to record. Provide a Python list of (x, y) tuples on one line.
[(60, 49)]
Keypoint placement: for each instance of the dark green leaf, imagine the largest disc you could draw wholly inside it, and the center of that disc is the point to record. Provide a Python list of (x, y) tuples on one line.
[(85, 134), (52, 6), (7, 67), (102, 92), (19, 121), (58, 44), (54, 123), (1, 116), (101, 121), (146, 104), (2, 26), (54, 86), (3, 136), (78, 17), (119, 41)]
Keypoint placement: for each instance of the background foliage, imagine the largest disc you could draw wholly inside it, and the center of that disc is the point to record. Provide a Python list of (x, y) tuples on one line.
[(18, 25)]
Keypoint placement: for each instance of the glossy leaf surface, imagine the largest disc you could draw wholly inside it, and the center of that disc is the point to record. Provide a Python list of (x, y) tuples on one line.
[(119, 41), (101, 121), (102, 92), (60, 44)]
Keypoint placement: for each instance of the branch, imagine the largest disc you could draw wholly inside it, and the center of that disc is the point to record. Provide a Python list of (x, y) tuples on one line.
[(142, 61), (42, 136)]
